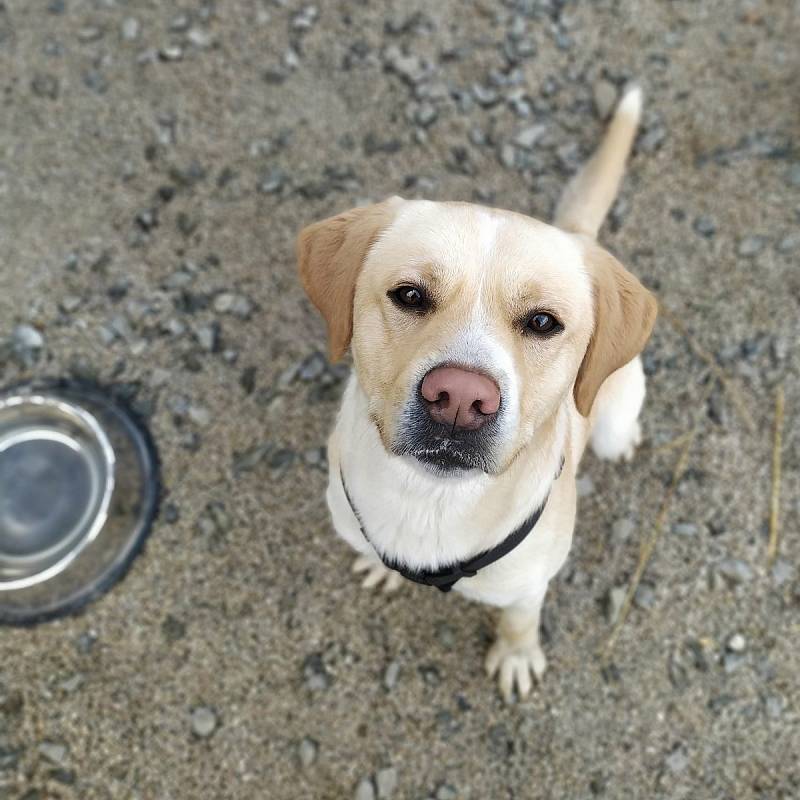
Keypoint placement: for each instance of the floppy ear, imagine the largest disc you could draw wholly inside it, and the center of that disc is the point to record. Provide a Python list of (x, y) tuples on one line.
[(330, 255), (624, 315)]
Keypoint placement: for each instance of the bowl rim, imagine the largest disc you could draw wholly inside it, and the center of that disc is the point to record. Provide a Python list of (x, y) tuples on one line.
[(117, 398), (89, 422)]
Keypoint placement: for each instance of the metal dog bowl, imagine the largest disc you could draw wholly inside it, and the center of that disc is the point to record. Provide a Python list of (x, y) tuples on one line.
[(78, 493)]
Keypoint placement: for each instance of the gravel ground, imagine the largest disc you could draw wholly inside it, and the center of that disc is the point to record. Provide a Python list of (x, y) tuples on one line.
[(156, 161)]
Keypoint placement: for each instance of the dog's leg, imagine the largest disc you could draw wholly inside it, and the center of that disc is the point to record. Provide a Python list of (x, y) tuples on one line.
[(615, 417), (376, 574), (516, 653)]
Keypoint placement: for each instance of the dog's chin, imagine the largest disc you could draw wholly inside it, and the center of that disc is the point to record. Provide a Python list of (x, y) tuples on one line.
[(446, 459)]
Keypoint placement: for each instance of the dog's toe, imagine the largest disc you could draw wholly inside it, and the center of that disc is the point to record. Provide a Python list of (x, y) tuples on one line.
[(376, 574), (516, 666)]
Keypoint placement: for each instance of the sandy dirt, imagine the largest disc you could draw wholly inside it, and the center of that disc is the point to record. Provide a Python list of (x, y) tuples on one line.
[(156, 162)]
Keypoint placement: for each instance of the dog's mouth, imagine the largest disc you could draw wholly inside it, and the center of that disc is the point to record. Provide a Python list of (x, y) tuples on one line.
[(448, 457), (439, 450)]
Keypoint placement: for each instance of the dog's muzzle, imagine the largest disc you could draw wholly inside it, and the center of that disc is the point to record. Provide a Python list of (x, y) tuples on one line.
[(451, 422)]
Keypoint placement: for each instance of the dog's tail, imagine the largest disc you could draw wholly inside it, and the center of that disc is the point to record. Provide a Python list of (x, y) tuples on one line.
[(589, 195)]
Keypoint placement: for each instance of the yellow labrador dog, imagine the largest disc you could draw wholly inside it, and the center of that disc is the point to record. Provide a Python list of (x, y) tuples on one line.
[(488, 348)]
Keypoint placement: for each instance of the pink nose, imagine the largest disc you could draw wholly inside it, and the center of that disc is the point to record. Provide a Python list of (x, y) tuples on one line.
[(460, 398)]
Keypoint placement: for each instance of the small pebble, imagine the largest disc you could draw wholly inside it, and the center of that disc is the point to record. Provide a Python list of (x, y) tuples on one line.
[(751, 246), (614, 600), (737, 643), (171, 514), (130, 29), (312, 367), (27, 344), (9, 758), (529, 136), (585, 486), (677, 760), (304, 19), (782, 571), (789, 243), (236, 304), (365, 790), (208, 336), (121, 327), (386, 781), (446, 635), (27, 336), (86, 642), (735, 570), (605, 96), (774, 706), (307, 752), (793, 176), (485, 95), (653, 138), (391, 675), (569, 156), (203, 722), (180, 23), (95, 80), (685, 529), (291, 59), (73, 683), (90, 34), (622, 530), (411, 68), (160, 377), (200, 38), (316, 675), (426, 115), (315, 456), (508, 156), (54, 752), (272, 182), (732, 661), (645, 596), (172, 52), (199, 415), (705, 226)]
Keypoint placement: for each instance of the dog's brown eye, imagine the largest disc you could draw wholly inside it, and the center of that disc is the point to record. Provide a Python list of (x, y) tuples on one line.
[(411, 297), (542, 323)]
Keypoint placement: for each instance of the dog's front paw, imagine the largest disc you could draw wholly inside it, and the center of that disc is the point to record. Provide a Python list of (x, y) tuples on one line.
[(376, 574), (515, 663)]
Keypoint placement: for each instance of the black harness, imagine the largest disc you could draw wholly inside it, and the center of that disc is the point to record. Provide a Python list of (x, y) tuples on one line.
[(445, 578)]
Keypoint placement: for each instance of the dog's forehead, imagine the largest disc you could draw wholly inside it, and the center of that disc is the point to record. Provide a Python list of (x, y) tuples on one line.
[(475, 241)]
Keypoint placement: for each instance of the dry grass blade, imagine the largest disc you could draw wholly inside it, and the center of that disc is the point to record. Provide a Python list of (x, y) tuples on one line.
[(671, 444), (648, 547), (775, 497), (727, 383)]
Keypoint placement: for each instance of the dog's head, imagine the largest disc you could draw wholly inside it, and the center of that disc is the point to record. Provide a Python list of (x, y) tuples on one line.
[(469, 326)]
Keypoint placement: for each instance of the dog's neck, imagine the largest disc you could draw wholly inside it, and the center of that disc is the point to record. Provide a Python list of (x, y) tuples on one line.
[(425, 520)]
